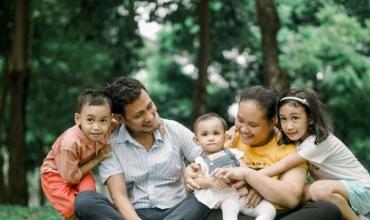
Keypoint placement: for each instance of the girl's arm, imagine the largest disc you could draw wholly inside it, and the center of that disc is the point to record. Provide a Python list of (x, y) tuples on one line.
[(288, 162)]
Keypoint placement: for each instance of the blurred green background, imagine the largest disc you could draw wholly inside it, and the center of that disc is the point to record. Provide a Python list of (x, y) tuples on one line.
[(193, 56)]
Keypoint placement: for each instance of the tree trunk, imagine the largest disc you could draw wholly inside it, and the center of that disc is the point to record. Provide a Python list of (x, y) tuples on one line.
[(200, 94), (18, 88), (269, 24), (3, 96)]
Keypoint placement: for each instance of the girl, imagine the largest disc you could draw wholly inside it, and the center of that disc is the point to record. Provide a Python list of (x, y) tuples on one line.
[(258, 139), (339, 176)]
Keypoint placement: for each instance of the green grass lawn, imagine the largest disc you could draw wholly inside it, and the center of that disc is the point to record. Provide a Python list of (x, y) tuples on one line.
[(19, 212)]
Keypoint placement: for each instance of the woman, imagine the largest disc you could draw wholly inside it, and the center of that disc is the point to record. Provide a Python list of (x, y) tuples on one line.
[(258, 139)]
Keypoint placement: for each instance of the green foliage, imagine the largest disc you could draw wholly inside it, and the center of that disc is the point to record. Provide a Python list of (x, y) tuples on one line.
[(332, 57), (20, 212), (75, 45), (324, 45)]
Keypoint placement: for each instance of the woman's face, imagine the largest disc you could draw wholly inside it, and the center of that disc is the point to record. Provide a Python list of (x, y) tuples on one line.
[(252, 124)]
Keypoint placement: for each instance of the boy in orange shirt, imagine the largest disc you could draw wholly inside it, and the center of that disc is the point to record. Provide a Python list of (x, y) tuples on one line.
[(66, 170)]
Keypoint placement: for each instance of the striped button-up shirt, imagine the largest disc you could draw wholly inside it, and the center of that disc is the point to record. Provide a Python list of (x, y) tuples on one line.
[(154, 178)]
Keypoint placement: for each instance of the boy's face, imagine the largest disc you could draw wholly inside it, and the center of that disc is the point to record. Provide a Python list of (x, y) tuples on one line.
[(94, 121), (210, 135)]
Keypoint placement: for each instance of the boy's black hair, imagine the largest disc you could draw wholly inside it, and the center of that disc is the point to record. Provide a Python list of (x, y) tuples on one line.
[(92, 97)]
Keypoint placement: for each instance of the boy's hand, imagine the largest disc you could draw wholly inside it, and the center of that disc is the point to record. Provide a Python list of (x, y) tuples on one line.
[(105, 152)]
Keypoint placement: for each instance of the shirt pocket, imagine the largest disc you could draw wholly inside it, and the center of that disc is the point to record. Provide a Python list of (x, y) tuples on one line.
[(169, 165)]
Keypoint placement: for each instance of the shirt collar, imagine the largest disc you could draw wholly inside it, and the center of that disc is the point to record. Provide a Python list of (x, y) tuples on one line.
[(124, 136)]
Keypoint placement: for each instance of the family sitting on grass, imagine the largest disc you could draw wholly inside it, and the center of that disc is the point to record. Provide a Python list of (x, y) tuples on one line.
[(258, 172)]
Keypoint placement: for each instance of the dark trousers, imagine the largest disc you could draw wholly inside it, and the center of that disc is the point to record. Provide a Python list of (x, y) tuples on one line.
[(90, 205), (309, 211), (93, 206)]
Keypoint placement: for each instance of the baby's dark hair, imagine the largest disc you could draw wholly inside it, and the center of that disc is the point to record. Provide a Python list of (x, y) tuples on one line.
[(92, 97), (266, 98), (208, 116), (319, 125), (123, 91)]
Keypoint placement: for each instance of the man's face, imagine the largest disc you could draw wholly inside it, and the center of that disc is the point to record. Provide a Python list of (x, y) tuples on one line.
[(141, 116)]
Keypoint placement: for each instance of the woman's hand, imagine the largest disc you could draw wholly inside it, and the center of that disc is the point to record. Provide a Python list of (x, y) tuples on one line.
[(192, 171), (252, 199)]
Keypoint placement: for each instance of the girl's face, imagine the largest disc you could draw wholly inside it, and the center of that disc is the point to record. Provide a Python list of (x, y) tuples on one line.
[(210, 135), (294, 121), (252, 124)]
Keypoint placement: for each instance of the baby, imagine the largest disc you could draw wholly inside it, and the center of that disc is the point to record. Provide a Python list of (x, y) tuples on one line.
[(209, 132)]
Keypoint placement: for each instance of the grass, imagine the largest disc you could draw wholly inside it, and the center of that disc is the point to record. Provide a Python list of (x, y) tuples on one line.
[(9, 212)]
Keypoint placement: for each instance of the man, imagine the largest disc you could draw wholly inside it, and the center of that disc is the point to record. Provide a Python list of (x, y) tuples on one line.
[(144, 174)]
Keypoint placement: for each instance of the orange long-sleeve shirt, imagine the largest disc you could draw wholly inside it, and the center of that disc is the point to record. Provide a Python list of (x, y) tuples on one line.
[(71, 150)]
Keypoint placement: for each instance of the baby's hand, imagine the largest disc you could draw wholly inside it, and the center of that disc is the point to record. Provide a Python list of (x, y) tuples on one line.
[(219, 183), (105, 152)]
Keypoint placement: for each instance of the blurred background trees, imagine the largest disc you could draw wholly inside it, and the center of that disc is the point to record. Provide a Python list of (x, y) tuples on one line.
[(199, 56)]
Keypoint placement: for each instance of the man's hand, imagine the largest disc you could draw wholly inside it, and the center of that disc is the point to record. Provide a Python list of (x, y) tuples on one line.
[(192, 171)]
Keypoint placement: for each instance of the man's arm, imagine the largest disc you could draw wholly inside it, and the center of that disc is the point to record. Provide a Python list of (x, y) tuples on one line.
[(118, 192)]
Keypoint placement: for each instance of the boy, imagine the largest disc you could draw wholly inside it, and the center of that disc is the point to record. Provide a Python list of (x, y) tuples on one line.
[(66, 170)]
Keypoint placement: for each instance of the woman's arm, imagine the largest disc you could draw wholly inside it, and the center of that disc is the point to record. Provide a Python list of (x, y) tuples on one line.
[(283, 165), (285, 191), (118, 192)]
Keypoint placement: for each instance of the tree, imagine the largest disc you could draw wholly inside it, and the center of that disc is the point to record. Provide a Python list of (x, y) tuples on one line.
[(200, 94), (269, 24), (19, 75)]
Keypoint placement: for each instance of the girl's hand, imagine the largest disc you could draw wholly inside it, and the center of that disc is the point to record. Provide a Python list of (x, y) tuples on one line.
[(105, 152), (231, 134), (230, 174), (219, 183)]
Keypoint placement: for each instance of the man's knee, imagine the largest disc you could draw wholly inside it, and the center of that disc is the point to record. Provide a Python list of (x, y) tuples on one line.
[(85, 200)]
